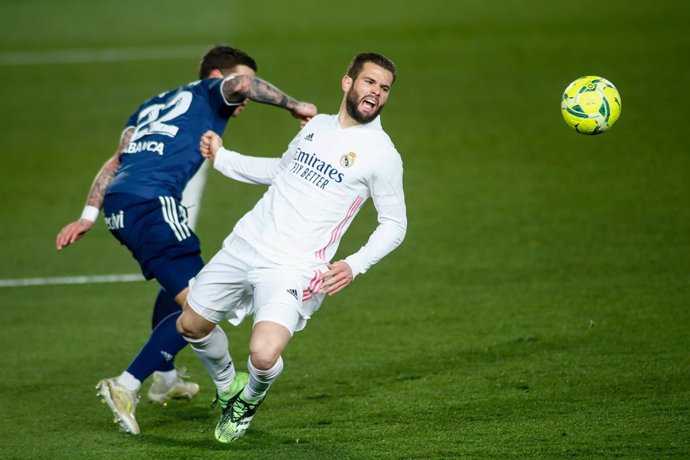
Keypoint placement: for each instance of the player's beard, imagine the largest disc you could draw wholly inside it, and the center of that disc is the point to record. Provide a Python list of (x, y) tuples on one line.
[(352, 102)]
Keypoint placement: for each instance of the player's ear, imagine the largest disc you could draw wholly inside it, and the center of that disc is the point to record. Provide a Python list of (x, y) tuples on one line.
[(346, 83), (215, 73)]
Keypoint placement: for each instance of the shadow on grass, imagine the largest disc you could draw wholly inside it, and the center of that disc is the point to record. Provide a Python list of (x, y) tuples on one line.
[(254, 443), (185, 427)]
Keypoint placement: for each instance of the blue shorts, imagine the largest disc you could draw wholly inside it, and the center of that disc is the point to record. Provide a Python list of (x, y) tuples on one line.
[(156, 233)]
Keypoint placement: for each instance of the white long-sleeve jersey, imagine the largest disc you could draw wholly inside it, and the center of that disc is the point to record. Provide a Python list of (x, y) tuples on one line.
[(317, 188)]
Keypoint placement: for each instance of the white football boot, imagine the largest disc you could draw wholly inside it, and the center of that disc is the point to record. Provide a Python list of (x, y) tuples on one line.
[(122, 402), (160, 392)]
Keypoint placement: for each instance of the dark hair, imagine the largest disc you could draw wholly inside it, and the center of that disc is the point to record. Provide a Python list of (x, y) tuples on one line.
[(224, 58), (355, 67)]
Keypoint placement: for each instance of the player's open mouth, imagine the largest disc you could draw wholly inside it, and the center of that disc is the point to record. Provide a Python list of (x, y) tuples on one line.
[(370, 103)]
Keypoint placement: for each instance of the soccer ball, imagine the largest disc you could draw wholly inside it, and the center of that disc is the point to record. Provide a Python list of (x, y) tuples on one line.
[(591, 105)]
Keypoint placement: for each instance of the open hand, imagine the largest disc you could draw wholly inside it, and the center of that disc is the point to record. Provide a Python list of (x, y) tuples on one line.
[(337, 278), (72, 232)]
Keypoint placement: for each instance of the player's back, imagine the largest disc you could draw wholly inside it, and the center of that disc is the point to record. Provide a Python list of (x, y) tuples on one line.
[(163, 152)]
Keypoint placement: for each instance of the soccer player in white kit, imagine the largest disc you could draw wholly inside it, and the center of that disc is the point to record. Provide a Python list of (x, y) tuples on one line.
[(275, 265)]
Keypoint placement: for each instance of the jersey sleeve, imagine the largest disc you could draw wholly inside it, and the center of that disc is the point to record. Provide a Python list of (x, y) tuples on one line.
[(247, 169), (217, 99), (386, 187), (253, 170)]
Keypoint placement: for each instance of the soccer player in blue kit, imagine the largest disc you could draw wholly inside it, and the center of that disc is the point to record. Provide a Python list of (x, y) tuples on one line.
[(139, 189)]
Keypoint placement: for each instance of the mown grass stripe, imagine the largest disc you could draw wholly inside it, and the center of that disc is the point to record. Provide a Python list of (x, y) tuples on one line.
[(85, 56), (21, 282)]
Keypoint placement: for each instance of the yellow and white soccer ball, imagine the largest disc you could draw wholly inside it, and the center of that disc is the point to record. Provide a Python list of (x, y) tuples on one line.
[(591, 105)]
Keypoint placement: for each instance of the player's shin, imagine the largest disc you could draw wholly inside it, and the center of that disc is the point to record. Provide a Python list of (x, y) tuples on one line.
[(260, 380), (213, 352), (159, 351)]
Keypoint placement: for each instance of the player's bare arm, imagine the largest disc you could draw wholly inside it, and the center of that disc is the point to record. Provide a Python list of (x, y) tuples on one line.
[(262, 91), (75, 230), (107, 173), (337, 278)]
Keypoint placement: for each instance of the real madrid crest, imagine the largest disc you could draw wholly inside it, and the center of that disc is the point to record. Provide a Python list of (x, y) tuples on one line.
[(348, 159)]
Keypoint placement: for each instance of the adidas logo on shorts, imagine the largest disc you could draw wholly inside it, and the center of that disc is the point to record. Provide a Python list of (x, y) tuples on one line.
[(293, 293)]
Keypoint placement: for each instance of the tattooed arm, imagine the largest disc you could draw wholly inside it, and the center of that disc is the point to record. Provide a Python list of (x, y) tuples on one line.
[(245, 87), (72, 232), (107, 172)]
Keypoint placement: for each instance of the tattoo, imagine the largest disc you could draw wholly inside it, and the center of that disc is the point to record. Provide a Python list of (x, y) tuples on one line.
[(100, 185), (107, 172), (257, 90)]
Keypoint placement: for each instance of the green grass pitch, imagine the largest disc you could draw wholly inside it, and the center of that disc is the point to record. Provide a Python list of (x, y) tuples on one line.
[(537, 309)]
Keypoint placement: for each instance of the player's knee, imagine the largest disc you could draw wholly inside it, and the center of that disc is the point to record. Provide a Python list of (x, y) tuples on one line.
[(264, 359), (264, 352), (189, 327), (182, 327), (268, 341)]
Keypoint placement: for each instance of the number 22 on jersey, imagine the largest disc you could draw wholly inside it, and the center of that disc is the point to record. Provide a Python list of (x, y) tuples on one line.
[(157, 118)]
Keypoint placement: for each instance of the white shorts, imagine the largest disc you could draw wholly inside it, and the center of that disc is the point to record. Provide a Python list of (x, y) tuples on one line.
[(238, 282)]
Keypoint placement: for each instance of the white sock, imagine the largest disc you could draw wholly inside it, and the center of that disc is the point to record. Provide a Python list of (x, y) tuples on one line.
[(260, 380), (169, 377), (213, 352), (128, 381)]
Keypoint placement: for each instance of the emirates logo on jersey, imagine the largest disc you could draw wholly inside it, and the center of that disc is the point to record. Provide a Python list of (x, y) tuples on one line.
[(348, 159), (308, 166)]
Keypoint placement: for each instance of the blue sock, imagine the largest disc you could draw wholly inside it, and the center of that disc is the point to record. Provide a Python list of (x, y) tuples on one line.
[(164, 306), (158, 353)]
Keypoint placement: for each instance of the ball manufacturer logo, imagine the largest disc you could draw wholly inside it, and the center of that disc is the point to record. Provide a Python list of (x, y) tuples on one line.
[(348, 159)]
